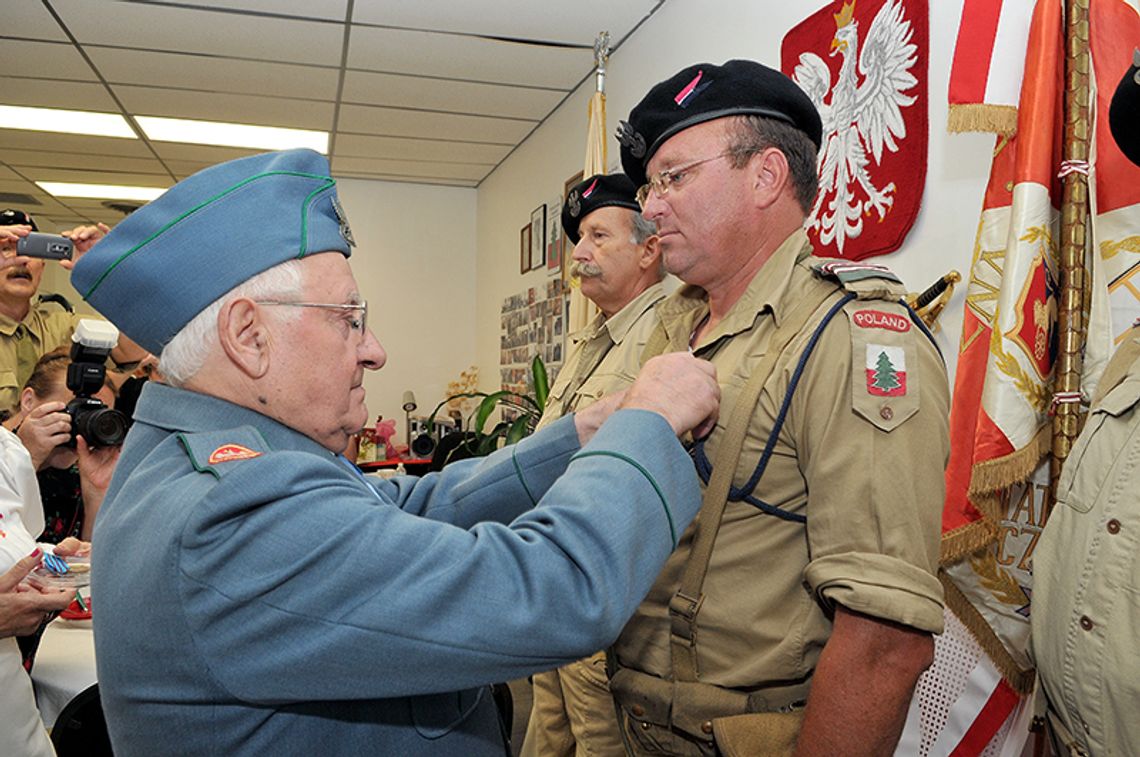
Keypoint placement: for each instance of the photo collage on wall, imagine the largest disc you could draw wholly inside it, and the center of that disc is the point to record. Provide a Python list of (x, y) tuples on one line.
[(533, 322)]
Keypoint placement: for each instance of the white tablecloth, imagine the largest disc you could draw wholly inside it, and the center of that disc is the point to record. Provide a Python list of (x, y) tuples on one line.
[(65, 666)]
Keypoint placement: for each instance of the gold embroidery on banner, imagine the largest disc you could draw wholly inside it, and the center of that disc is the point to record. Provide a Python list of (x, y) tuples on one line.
[(997, 580), (1110, 248), (1034, 392)]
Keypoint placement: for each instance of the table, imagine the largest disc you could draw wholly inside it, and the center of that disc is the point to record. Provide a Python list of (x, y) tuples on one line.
[(64, 667)]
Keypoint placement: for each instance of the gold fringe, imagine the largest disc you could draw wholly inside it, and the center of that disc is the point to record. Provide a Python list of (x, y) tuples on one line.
[(1020, 680), (1001, 119), (966, 540), (1001, 472)]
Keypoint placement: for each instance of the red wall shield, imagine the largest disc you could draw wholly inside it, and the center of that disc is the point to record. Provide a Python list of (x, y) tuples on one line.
[(864, 64)]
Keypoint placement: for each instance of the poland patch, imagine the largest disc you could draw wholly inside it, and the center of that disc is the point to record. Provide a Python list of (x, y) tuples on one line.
[(886, 371), (877, 319)]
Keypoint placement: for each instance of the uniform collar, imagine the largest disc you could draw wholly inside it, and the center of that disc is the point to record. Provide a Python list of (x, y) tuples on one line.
[(182, 410), (767, 292), (620, 323)]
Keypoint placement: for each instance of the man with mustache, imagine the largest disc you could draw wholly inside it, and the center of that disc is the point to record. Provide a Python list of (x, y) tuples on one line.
[(618, 263), (28, 330)]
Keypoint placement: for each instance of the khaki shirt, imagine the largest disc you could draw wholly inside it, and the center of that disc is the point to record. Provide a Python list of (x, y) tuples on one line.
[(47, 326), (606, 356), (866, 470), (1086, 571)]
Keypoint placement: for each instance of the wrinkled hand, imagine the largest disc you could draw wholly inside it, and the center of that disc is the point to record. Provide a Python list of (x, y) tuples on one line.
[(43, 429), (679, 387), (84, 238), (588, 420), (23, 608)]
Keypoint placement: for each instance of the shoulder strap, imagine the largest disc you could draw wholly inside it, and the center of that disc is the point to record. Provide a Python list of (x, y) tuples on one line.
[(686, 603)]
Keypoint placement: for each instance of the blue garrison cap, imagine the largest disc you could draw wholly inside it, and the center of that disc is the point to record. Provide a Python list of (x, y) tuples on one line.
[(171, 258)]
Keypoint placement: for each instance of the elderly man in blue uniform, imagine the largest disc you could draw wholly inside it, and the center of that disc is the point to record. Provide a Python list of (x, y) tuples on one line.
[(618, 265), (257, 594), (797, 614)]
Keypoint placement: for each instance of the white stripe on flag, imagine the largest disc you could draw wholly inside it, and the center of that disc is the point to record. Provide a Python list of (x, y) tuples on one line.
[(980, 684), (1007, 59)]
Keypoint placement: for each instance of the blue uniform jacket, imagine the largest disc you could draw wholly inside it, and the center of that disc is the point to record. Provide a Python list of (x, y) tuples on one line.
[(274, 601)]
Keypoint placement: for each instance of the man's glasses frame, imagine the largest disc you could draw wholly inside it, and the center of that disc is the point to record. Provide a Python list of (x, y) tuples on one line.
[(660, 182), (357, 324)]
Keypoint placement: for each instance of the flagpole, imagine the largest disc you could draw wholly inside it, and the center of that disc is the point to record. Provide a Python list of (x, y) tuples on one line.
[(1071, 325)]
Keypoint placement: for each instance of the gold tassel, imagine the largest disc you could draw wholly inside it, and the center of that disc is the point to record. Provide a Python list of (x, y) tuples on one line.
[(1021, 680), (1001, 119), (1001, 472)]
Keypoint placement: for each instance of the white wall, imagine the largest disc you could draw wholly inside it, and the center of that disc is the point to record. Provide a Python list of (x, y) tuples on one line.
[(683, 32), (415, 263)]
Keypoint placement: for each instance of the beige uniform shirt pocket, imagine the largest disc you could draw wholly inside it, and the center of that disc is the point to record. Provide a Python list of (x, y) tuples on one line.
[(9, 390), (1088, 473), (883, 390)]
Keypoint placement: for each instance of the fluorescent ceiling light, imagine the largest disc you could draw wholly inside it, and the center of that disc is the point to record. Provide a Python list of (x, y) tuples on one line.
[(65, 121), (231, 135), (99, 191)]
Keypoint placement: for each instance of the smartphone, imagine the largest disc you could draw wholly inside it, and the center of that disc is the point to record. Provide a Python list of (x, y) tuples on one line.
[(51, 246)]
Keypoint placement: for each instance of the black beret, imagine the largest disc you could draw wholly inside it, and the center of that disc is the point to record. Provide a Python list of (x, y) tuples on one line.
[(704, 92), (1124, 112), (13, 217), (598, 191)]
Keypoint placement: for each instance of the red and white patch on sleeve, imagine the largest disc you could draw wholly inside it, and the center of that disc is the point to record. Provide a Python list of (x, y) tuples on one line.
[(229, 452), (886, 371), (877, 319)]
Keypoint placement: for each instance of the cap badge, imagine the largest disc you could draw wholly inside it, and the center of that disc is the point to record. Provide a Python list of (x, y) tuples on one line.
[(590, 190), (629, 138), (229, 452), (345, 229), (573, 201), (684, 97)]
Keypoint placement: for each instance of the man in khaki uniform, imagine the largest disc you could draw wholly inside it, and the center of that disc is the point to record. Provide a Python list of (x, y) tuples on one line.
[(29, 330), (619, 266), (801, 617), (1086, 575)]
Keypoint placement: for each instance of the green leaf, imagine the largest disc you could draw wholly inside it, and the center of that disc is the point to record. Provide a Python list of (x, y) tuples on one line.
[(518, 429), (431, 418), (541, 382), (486, 407)]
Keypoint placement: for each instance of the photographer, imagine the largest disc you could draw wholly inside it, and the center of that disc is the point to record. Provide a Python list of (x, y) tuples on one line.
[(73, 478), (30, 327)]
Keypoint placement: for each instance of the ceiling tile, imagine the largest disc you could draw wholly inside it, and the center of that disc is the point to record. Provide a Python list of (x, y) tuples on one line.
[(44, 60), (24, 20), (154, 27), (576, 22), (172, 152), (363, 146), (467, 58), (187, 71), (216, 106), (330, 9), (410, 168), (468, 183), (448, 95), (47, 141), (68, 95), (105, 176), (361, 119), (25, 160)]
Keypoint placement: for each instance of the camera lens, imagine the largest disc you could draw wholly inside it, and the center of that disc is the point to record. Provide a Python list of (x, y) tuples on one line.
[(102, 427)]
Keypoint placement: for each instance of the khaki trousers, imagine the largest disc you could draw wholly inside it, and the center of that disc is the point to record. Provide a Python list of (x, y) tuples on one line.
[(573, 714)]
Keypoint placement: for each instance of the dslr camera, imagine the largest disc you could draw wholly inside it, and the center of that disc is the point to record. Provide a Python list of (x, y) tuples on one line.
[(99, 425)]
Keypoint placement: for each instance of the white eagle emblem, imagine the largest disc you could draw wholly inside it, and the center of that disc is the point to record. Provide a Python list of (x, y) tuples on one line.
[(862, 117)]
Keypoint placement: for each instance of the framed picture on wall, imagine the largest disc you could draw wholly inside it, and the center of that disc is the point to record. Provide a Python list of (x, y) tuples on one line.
[(567, 245), (554, 236), (524, 249), (538, 237)]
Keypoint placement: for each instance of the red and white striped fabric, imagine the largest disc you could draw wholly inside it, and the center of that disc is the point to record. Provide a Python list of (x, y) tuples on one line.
[(985, 77)]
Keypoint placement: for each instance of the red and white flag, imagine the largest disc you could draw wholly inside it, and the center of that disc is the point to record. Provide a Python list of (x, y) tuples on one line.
[(985, 77), (973, 701)]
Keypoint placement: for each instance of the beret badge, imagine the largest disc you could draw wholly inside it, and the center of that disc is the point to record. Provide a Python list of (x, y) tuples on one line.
[(631, 139), (342, 218), (573, 201)]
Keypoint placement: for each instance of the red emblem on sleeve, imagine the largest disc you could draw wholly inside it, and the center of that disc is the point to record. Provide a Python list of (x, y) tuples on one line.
[(228, 452), (877, 319)]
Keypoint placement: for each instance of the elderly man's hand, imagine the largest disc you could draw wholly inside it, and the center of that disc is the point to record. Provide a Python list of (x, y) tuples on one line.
[(680, 387), (23, 608), (677, 386), (84, 238)]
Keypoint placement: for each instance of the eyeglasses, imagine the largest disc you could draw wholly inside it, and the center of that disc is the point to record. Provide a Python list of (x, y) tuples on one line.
[(661, 182), (356, 324)]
